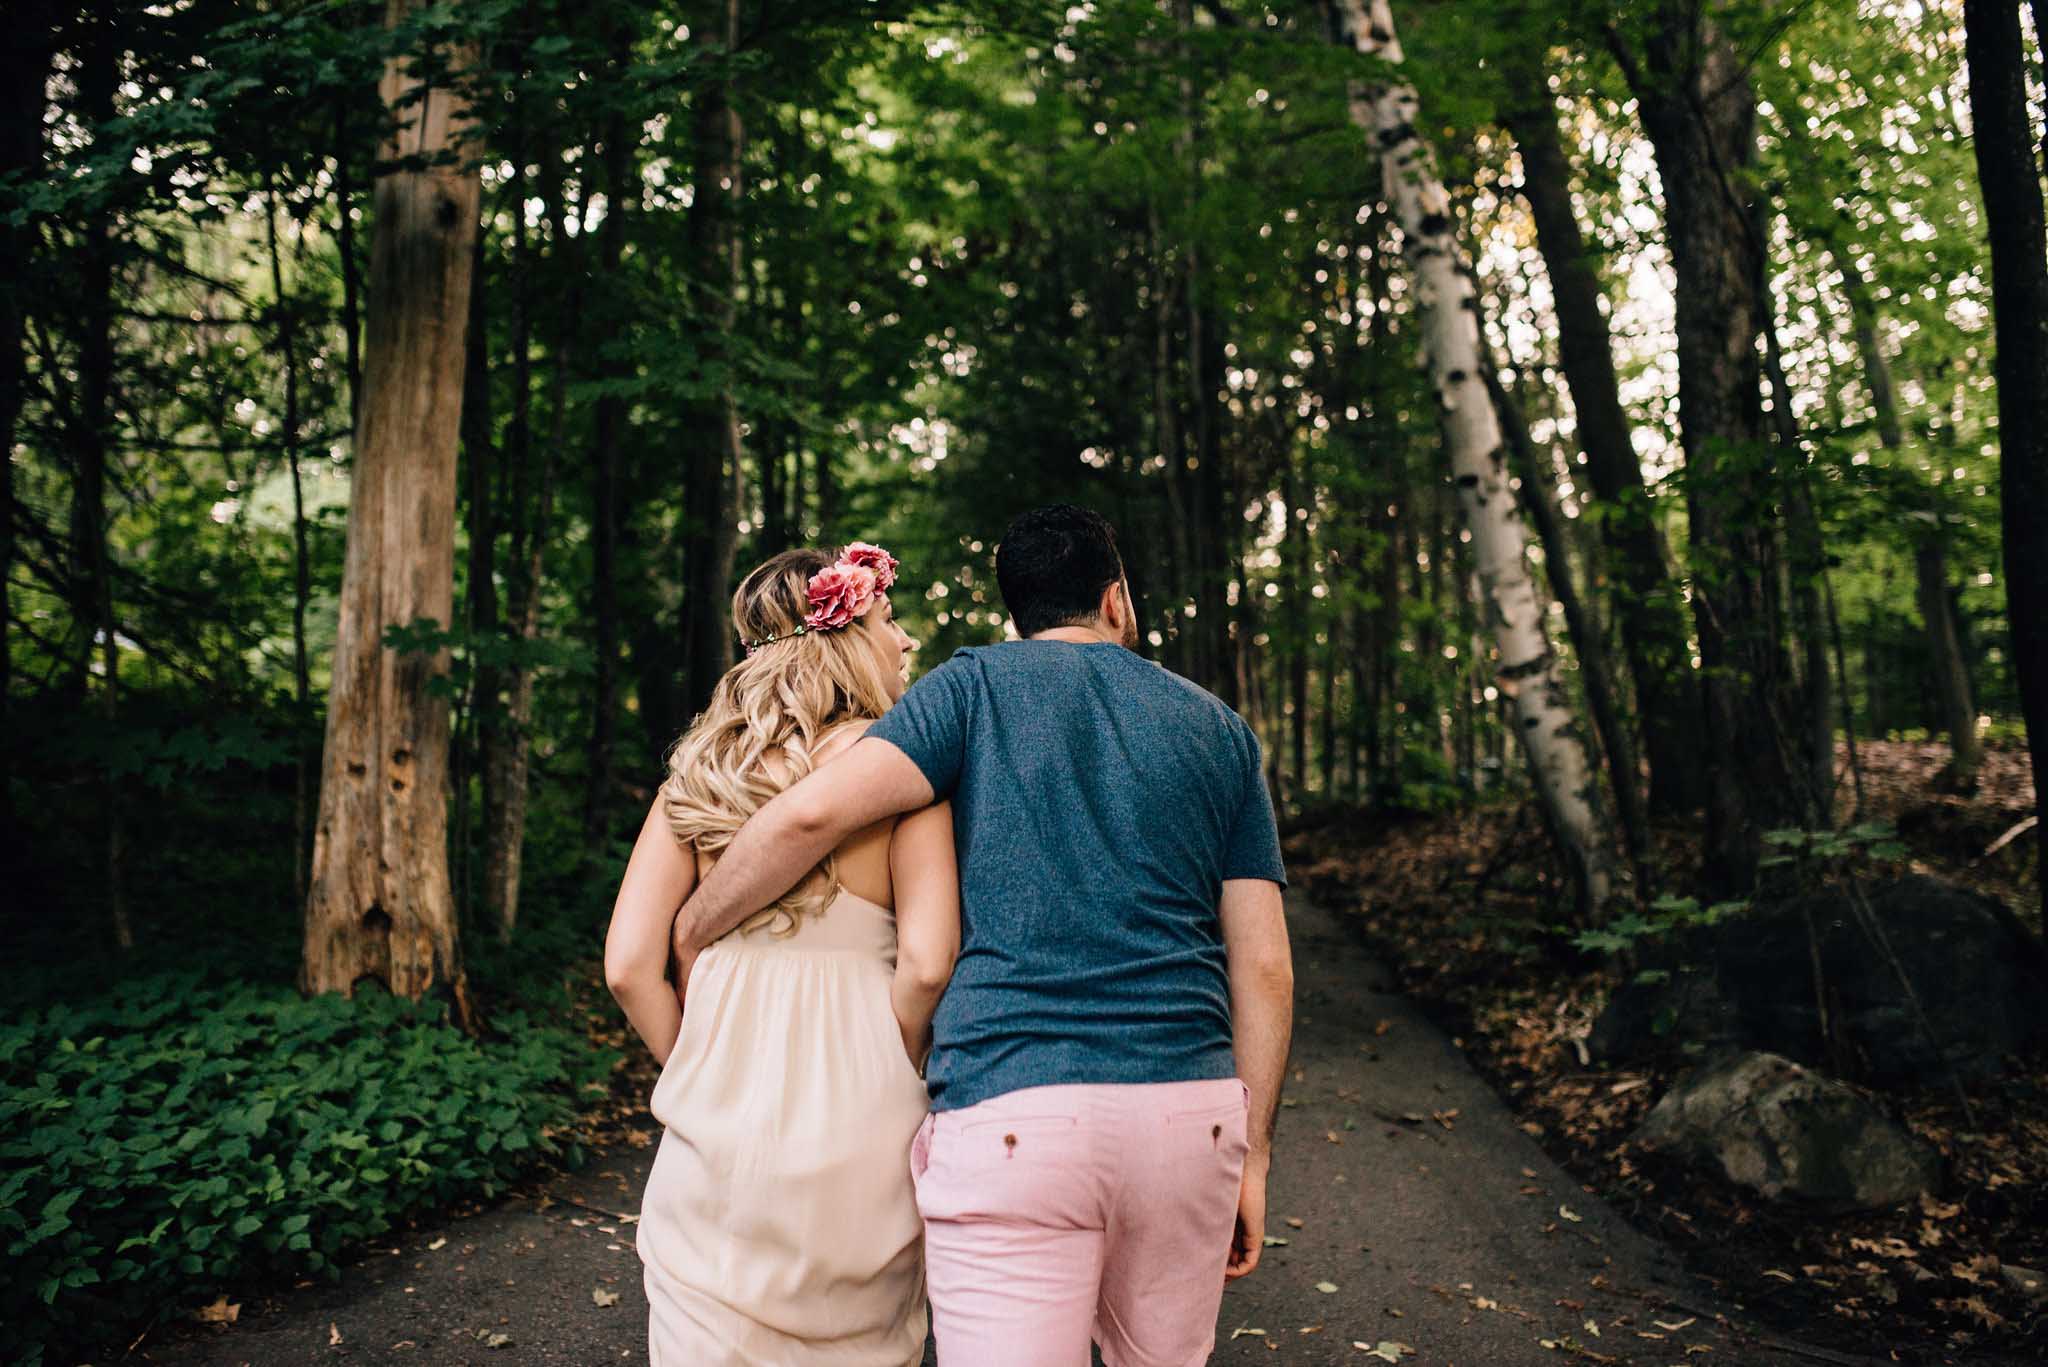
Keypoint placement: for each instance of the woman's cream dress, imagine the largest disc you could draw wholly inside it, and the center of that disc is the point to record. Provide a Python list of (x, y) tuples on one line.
[(779, 1225)]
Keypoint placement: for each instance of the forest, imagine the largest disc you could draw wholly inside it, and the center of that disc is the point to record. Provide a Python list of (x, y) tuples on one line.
[(1600, 446)]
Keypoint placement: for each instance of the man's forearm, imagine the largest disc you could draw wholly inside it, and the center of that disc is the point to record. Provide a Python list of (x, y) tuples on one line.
[(1262, 1028), (771, 853)]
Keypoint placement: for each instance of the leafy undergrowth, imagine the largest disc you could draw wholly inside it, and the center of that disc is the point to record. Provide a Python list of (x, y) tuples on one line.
[(180, 1134), (1466, 907)]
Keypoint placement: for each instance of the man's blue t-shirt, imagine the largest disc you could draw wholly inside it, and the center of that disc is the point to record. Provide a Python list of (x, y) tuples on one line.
[(1099, 802)]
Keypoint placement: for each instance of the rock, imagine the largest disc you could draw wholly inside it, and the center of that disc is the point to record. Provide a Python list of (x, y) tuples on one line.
[(1748, 983), (2025, 1280), (1766, 1123)]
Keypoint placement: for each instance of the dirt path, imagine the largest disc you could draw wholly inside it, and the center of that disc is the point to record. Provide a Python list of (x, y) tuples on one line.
[(1415, 1212)]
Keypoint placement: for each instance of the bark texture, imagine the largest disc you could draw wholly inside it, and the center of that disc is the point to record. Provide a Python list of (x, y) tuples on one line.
[(2010, 176), (380, 904), (1529, 671)]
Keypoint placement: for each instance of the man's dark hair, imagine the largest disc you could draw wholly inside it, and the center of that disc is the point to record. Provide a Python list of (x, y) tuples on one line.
[(1052, 566)]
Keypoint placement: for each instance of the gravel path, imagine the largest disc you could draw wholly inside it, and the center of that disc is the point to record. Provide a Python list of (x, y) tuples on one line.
[(1422, 1225)]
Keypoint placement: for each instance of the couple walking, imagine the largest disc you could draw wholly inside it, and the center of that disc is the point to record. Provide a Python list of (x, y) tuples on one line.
[(1049, 874)]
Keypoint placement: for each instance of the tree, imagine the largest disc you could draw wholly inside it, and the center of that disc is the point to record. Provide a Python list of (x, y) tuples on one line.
[(2009, 175), (1695, 102), (711, 484), (1648, 607), (1529, 671), (380, 904)]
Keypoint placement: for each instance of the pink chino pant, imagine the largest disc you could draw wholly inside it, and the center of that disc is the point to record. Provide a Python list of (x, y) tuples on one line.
[(1057, 1214)]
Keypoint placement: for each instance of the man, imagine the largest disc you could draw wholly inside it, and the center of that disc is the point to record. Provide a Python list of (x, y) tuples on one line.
[(1107, 1060)]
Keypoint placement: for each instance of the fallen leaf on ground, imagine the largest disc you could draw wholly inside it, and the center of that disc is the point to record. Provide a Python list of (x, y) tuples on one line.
[(1327, 1288), (1568, 1213), (1272, 1242), (333, 1334), (1673, 1326), (1386, 1350), (220, 1312), (438, 1243), (1241, 1332), (602, 1297), (1294, 1222)]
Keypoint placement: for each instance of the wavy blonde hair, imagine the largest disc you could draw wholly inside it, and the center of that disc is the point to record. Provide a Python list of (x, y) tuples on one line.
[(768, 718)]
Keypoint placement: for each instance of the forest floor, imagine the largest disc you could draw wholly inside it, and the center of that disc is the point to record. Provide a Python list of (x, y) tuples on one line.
[(1418, 1224), (1458, 905)]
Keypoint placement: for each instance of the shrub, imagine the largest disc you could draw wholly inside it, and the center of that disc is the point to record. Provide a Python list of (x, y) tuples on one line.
[(173, 1134)]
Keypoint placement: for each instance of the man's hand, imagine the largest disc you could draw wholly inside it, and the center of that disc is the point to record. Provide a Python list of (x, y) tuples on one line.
[(683, 957), (1248, 1240)]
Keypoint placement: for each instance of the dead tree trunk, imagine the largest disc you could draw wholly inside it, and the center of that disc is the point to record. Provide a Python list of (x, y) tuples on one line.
[(380, 904)]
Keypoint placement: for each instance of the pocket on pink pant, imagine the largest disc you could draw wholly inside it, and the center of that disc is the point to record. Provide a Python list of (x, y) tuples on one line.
[(1028, 1167)]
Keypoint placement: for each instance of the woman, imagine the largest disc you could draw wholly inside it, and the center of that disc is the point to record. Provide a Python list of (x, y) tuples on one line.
[(778, 1226)]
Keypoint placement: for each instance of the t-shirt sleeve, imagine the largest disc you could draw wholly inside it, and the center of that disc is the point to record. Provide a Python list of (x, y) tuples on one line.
[(929, 724), (1253, 850)]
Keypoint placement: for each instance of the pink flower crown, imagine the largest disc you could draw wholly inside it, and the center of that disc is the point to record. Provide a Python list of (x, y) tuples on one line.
[(842, 592)]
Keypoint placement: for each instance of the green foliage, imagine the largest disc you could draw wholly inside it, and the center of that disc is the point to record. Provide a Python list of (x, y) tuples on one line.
[(172, 1135), (1825, 849), (1664, 916)]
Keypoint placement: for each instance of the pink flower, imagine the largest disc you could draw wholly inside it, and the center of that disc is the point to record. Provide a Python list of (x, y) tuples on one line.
[(838, 594), (872, 557)]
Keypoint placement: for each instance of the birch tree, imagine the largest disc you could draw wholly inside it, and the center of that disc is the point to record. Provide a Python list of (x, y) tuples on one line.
[(380, 904), (1529, 673)]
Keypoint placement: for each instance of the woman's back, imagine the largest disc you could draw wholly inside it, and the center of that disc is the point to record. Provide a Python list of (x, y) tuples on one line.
[(778, 1225), (776, 1219)]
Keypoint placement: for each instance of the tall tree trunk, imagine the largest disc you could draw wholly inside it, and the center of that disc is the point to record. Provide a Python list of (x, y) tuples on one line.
[(1930, 546), (621, 190), (24, 77), (1295, 549), (1650, 609), (2009, 176), (1529, 669), (480, 465), (380, 905), (1808, 566), (1539, 495), (1696, 103), (1166, 440), (99, 75), (711, 489), (508, 747), (302, 582)]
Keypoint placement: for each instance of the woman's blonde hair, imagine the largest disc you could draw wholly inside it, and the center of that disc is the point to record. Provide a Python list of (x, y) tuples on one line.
[(767, 719)]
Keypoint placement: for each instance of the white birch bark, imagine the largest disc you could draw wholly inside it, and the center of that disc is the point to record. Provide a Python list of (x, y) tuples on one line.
[(1528, 672)]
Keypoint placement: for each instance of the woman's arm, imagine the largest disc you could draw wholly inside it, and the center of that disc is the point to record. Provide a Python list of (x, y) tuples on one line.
[(658, 878), (927, 887)]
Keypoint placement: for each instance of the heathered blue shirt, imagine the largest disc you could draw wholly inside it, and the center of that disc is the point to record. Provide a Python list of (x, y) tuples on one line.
[(1099, 802)]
